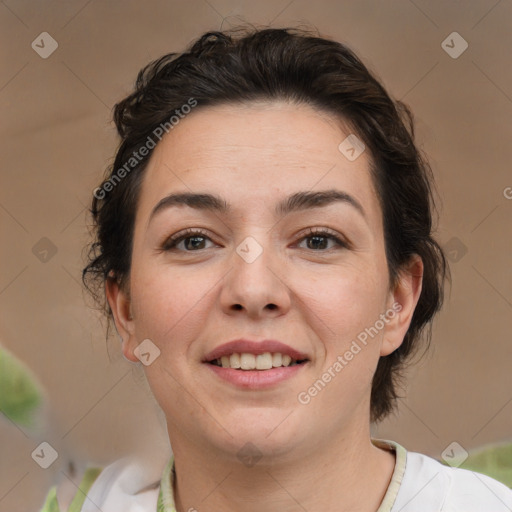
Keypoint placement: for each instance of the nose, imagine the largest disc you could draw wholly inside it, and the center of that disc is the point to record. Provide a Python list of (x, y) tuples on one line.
[(256, 287)]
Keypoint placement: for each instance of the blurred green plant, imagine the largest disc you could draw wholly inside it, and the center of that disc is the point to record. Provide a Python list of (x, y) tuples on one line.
[(20, 394), (494, 460)]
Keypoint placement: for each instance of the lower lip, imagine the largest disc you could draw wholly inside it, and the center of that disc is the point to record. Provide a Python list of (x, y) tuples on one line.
[(256, 379)]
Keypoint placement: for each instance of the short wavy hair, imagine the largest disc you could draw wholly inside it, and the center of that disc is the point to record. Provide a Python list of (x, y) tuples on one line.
[(245, 65)]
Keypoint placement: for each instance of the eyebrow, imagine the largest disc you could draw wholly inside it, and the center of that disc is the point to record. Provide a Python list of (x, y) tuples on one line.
[(298, 201)]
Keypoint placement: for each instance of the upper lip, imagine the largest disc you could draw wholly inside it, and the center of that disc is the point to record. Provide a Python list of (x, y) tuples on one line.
[(253, 347)]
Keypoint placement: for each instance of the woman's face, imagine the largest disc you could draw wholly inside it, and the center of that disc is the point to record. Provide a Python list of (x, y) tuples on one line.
[(254, 271)]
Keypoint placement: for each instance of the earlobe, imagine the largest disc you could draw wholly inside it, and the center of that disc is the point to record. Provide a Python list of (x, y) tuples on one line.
[(120, 306), (404, 299)]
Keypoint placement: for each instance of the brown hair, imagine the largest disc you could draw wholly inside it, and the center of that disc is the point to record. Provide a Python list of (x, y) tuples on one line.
[(301, 67)]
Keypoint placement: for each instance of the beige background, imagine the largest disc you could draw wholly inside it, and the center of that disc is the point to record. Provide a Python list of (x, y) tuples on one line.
[(56, 140)]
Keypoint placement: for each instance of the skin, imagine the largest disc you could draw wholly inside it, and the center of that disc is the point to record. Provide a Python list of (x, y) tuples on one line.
[(188, 301)]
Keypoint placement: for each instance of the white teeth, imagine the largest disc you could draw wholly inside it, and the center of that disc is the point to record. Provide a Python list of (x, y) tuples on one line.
[(277, 359), (234, 361), (246, 361), (264, 361)]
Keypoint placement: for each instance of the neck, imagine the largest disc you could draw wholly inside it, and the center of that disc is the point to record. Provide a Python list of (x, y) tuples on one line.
[(349, 474)]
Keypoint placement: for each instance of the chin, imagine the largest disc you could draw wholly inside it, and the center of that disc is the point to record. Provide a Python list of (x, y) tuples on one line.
[(272, 432), (262, 450)]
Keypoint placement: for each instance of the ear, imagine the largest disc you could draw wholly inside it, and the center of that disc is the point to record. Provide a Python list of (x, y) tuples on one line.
[(120, 304), (402, 300)]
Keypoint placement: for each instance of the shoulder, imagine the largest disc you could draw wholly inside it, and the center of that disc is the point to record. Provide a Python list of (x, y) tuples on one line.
[(127, 484), (427, 482)]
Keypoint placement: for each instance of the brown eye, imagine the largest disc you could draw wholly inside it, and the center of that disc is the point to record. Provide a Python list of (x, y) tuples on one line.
[(193, 240), (319, 240)]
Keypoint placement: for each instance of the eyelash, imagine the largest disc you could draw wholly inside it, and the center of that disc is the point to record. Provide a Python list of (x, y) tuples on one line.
[(171, 242)]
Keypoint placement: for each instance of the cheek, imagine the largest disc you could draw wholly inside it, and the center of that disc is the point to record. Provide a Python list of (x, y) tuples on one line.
[(342, 312), (170, 308), (168, 305), (344, 301)]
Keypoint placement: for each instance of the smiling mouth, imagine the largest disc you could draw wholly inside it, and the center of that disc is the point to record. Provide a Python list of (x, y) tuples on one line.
[(247, 361)]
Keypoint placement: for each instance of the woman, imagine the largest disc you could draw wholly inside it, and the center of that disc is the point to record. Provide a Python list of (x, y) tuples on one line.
[(264, 241)]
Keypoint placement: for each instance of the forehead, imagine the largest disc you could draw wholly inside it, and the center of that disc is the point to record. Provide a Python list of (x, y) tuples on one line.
[(254, 153)]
